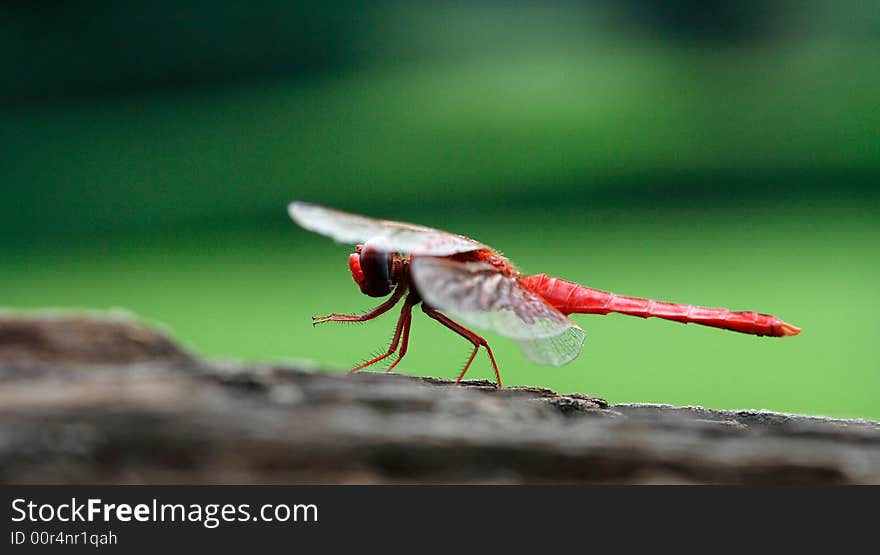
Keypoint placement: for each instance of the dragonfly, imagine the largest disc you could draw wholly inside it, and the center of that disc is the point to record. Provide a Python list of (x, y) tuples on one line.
[(456, 279)]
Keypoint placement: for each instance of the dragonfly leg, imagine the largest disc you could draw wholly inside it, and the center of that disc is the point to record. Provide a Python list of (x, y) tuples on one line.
[(410, 301), (369, 315), (401, 328), (475, 339)]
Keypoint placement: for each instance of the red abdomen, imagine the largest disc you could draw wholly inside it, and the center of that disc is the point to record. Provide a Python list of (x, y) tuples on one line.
[(571, 298)]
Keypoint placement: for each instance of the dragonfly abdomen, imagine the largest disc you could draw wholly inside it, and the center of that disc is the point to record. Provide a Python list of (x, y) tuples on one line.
[(572, 298)]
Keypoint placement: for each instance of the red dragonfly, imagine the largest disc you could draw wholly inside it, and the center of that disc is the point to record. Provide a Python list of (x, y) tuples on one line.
[(453, 275)]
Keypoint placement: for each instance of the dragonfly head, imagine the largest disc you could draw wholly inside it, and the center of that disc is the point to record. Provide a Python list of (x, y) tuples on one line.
[(371, 267)]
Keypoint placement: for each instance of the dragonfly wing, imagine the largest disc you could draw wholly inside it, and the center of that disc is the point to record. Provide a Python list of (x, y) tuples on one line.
[(555, 351), (344, 227), (483, 296)]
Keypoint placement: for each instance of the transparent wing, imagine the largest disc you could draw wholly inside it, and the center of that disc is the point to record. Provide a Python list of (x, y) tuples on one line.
[(353, 229), (482, 296)]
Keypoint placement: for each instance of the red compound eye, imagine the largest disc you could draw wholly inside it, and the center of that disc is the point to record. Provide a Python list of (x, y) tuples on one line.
[(371, 267)]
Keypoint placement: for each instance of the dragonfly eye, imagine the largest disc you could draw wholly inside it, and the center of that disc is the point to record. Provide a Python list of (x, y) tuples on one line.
[(370, 267)]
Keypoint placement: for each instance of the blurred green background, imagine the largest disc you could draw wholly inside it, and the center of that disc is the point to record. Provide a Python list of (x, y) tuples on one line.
[(715, 153)]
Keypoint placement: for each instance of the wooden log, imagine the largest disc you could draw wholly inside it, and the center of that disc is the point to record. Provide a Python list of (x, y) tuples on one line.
[(96, 399)]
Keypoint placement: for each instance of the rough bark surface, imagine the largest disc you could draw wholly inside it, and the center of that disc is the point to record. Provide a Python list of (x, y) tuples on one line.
[(96, 399)]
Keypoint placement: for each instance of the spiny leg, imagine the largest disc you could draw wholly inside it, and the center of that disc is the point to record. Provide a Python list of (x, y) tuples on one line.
[(402, 327), (369, 315), (408, 304), (467, 334)]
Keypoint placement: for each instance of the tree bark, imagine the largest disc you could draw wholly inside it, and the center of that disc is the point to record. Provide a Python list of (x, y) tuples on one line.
[(98, 399)]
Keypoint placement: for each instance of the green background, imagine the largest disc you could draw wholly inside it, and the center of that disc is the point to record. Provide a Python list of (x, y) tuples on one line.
[(677, 153)]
